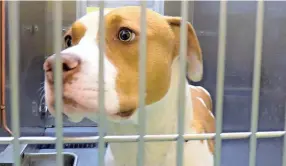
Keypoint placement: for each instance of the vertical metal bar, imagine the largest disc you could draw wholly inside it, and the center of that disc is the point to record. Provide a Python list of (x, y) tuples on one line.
[(182, 83), (13, 16), (81, 6), (57, 16), (142, 86), (192, 9), (284, 146), (256, 81), (159, 6), (101, 84), (3, 70), (220, 79)]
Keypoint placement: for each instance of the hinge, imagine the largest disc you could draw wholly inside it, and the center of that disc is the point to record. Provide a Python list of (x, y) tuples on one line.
[(32, 29)]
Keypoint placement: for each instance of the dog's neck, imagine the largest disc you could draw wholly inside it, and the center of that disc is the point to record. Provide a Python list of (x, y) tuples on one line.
[(161, 118)]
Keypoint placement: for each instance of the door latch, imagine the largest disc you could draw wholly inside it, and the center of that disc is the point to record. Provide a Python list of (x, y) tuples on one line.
[(32, 29)]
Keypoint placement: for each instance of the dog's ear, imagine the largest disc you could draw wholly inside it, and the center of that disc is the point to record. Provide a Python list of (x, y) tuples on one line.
[(194, 53)]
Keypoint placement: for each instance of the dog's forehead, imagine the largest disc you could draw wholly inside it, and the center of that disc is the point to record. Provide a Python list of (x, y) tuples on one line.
[(129, 11), (133, 14), (88, 25)]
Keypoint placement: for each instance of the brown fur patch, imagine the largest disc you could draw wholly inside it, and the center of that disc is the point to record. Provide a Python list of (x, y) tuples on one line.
[(194, 50), (162, 46), (76, 32), (125, 56), (203, 121), (202, 93)]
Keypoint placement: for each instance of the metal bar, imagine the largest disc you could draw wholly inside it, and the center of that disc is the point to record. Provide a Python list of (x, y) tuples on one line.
[(101, 145), (159, 6), (256, 81), (149, 138), (220, 79), (284, 146), (182, 83), (13, 16), (142, 84), (3, 70), (192, 9), (81, 6), (2, 61), (57, 16)]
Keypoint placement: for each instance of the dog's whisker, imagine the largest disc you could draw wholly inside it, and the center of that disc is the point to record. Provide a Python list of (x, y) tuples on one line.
[(40, 89), (42, 93), (41, 96), (42, 99)]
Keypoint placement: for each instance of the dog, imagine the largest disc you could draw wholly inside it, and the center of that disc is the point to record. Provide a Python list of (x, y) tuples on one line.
[(80, 59)]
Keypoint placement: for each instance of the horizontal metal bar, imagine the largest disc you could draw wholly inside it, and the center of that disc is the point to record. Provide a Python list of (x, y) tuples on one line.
[(147, 138)]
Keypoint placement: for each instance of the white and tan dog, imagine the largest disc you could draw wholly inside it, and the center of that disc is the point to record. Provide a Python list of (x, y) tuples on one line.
[(121, 75)]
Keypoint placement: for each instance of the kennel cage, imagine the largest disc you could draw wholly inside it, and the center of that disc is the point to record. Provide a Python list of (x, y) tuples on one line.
[(243, 72)]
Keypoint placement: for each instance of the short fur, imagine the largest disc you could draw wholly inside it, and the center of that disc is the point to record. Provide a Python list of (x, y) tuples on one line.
[(121, 76)]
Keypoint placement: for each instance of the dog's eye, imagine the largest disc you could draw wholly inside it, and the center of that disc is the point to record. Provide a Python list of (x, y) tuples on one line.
[(68, 41), (126, 35)]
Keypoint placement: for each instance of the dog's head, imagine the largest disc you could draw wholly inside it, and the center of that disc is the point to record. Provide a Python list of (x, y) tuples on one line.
[(121, 62)]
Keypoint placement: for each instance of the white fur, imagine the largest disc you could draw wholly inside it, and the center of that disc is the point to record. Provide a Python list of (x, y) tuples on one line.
[(205, 91), (159, 153), (161, 117), (85, 89), (202, 101), (195, 68), (90, 21)]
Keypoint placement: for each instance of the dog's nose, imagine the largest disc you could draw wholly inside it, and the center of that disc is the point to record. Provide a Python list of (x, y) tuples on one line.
[(70, 64)]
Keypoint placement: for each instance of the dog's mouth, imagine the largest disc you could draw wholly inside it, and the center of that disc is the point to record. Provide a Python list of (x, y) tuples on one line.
[(125, 114), (73, 106)]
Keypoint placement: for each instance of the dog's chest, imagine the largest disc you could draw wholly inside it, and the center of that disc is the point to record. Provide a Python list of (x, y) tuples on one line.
[(196, 153), (156, 154)]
